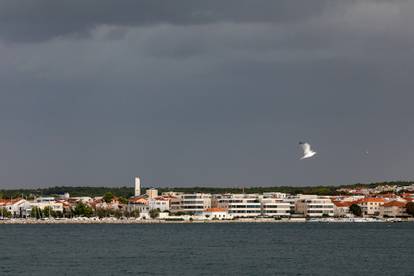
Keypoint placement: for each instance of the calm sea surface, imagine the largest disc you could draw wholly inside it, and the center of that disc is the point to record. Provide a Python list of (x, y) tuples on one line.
[(208, 249)]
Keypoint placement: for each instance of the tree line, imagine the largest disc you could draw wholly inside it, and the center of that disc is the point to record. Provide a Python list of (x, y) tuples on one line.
[(82, 210), (126, 192)]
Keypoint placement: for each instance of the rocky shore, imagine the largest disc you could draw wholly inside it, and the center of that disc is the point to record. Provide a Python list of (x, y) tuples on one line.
[(162, 221)]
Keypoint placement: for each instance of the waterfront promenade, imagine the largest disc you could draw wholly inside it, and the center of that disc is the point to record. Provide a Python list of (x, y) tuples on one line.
[(162, 221)]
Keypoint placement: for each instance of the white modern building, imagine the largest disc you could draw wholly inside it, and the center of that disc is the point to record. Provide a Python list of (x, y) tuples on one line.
[(191, 203), (275, 207), (275, 195), (239, 205), (314, 206)]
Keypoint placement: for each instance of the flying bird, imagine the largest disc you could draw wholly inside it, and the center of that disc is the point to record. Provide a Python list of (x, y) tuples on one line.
[(307, 151)]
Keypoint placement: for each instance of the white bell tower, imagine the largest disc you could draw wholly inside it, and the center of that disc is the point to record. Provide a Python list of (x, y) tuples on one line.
[(137, 186)]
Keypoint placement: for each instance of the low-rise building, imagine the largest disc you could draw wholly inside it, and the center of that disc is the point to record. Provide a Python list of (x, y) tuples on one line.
[(194, 203), (275, 195), (55, 206), (84, 199), (18, 207), (161, 203), (240, 205), (315, 206), (216, 213), (371, 206), (341, 208), (393, 209), (138, 203), (275, 207)]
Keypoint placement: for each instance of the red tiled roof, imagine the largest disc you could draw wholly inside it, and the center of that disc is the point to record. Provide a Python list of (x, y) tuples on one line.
[(387, 195), (371, 199), (161, 198), (395, 204), (215, 210), (343, 203), (139, 200), (4, 202)]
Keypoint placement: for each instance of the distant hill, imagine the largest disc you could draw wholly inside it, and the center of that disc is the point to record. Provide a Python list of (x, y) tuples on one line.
[(128, 191)]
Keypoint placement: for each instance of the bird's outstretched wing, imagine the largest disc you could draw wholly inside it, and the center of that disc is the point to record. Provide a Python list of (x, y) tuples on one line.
[(306, 148)]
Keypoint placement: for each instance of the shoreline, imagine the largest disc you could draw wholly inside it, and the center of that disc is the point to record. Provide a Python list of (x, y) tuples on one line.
[(161, 221)]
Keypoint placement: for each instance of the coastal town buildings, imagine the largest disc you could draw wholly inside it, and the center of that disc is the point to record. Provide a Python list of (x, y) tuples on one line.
[(17, 207), (216, 213), (194, 203), (160, 203), (275, 207), (341, 208), (314, 206), (393, 209), (239, 205), (139, 204), (43, 202), (371, 205), (151, 193), (377, 202)]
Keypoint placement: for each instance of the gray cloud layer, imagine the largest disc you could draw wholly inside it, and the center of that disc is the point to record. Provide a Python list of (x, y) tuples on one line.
[(204, 92)]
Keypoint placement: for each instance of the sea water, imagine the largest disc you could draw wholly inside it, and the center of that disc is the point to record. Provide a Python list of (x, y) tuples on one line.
[(208, 249)]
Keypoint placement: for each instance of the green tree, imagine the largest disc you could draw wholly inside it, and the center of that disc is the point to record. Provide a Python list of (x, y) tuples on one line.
[(410, 208), (81, 209), (134, 213), (67, 213), (58, 214), (117, 213), (122, 200), (4, 213), (154, 213), (36, 212), (48, 212), (356, 210), (108, 196), (102, 213)]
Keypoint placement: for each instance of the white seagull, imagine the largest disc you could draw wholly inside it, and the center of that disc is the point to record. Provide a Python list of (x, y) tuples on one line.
[(307, 151)]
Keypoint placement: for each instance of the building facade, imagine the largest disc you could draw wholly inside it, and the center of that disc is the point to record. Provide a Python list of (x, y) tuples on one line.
[(239, 205), (315, 206), (371, 206), (160, 203), (394, 209), (194, 203), (275, 207)]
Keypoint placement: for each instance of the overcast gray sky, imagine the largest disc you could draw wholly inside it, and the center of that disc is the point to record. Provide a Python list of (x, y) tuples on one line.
[(207, 93)]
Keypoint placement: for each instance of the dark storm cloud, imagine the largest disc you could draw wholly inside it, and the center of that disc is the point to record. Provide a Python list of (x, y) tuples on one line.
[(29, 20), (204, 92)]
